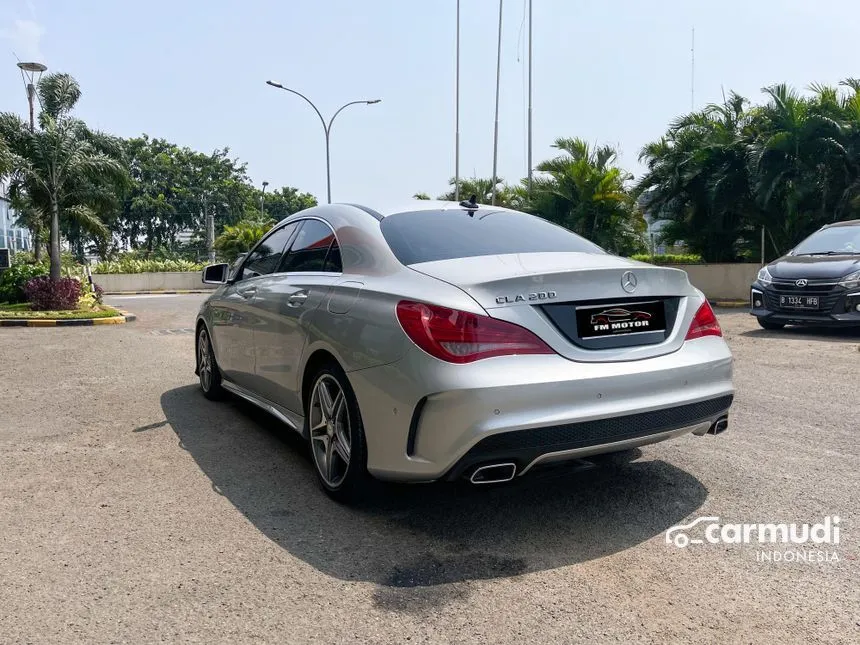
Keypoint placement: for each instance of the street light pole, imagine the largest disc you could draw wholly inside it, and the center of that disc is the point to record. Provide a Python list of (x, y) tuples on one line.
[(326, 127), (263, 200), (28, 74)]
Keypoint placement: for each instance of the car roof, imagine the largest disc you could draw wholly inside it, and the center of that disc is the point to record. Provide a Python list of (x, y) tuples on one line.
[(849, 222), (379, 212), (421, 205)]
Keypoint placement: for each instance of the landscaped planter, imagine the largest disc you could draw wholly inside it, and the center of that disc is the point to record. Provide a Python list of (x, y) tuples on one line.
[(168, 281)]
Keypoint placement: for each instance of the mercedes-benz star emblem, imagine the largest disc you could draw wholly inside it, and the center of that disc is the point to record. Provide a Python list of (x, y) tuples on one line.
[(801, 283), (629, 281)]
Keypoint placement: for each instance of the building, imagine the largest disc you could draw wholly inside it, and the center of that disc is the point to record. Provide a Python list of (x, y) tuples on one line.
[(11, 236)]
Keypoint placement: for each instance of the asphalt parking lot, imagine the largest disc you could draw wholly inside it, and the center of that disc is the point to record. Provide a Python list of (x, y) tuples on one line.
[(134, 510)]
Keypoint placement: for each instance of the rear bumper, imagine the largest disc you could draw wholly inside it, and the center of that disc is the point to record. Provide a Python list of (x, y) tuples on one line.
[(426, 420), (528, 448)]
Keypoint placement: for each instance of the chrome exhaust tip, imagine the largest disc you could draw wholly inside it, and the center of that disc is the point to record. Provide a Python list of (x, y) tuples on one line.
[(494, 473), (720, 425)]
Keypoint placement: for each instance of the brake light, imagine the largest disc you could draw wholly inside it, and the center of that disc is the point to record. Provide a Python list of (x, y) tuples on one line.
[(462, 337), (704, 323)]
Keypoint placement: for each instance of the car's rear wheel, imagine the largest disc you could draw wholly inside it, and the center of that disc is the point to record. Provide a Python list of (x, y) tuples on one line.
[(770, 326), (207, 368), (336, 436)]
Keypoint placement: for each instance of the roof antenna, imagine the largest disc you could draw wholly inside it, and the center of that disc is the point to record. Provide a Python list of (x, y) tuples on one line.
[(471, 205)]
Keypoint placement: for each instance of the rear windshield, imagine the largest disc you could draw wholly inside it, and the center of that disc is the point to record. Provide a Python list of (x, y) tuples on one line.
[(427, 236)]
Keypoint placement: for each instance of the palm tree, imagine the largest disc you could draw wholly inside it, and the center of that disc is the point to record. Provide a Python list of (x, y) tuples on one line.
[(241, 237), (585, 191), (62, 168), (849, 200), (5, 158), (698, 180), (796, 154)]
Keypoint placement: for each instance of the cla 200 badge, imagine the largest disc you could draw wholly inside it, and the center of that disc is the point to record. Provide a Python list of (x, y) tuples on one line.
[(540, 295)]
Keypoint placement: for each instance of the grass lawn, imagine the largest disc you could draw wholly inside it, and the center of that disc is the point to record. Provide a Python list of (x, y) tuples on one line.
[(22, 310)]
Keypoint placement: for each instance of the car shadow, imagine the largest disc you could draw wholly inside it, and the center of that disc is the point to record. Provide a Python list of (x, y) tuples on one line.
[(413, 539)]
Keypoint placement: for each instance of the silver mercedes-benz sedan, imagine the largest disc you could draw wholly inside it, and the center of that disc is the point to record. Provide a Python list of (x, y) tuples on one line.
[(446, 341)]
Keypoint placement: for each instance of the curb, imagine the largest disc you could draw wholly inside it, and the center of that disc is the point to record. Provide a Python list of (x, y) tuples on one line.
[(159, 293), (71, 322), (729, 304)]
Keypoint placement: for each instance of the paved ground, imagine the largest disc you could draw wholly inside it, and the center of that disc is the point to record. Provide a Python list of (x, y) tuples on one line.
[(133, 510)]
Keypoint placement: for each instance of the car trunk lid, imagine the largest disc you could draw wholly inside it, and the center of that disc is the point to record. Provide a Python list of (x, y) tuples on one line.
[(587, 306)]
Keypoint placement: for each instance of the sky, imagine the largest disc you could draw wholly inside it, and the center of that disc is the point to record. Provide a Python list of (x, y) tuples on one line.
[(617, 72)]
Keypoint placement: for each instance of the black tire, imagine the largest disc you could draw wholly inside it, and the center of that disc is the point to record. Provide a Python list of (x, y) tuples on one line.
[(207, 367), (770, 326), (345, 482)]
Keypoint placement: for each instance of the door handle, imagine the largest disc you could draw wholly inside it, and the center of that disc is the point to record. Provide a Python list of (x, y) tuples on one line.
[(247, 292), (297, 299)]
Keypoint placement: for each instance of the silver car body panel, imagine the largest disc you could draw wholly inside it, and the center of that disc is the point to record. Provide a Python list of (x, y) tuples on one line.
[(263, 342)]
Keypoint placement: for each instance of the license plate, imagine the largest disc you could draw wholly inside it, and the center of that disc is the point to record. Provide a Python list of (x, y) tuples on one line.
[(799, 302), (615, 320)]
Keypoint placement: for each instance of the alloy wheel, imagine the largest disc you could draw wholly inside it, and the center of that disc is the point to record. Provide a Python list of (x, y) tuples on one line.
[(328, 420), (204, 361)]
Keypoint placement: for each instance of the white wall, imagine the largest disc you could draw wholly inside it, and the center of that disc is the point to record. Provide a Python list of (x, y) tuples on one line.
[(721, 281), (172, 281)]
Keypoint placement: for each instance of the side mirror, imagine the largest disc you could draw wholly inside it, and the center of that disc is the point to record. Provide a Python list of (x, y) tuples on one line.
[(215, 274)]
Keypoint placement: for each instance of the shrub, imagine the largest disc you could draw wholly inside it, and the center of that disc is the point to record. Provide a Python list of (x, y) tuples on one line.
[(241, 238), (44, 294), (14, 279), (132, 265), (91, 295), (690, 258)]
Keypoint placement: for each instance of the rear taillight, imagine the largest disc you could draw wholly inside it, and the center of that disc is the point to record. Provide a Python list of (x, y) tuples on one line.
[(704, 323), (462, 337)]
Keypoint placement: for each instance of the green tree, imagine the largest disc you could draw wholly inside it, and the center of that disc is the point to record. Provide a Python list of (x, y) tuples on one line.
[(59, 167), (585, 191), (5, 158), (797, 157), (790, 165), (698, 180), (174, 188), (282, 202), (241, 237)]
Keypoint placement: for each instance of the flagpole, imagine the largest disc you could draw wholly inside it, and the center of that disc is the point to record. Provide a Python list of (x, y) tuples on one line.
[(496, 128), (530, 98), (457, 115)]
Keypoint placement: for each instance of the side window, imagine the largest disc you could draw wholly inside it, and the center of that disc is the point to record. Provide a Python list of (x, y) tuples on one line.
[(266, 257), (310, 248)]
